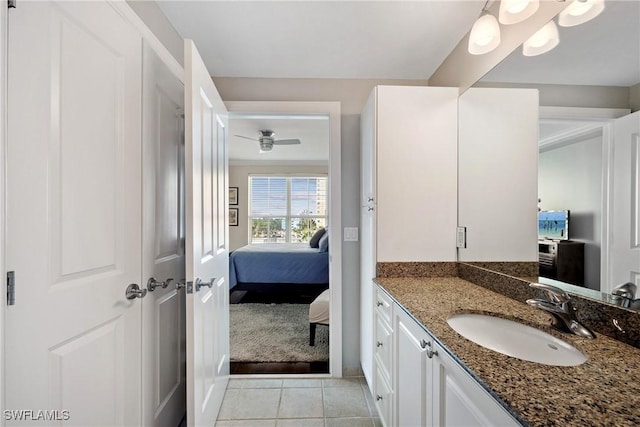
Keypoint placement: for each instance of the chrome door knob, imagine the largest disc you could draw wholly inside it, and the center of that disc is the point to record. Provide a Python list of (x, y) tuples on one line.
[(152, 284), (200, 284), (133, 291)]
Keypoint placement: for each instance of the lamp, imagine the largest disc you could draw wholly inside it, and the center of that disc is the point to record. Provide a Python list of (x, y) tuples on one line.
[(579, 12), (514, 11), (545, 39), (485, 34)]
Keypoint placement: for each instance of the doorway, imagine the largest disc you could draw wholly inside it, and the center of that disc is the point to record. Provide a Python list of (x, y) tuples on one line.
[(302, 171)]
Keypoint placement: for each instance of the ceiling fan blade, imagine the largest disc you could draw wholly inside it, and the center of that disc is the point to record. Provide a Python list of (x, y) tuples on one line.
[(287, 142), (245, 137)]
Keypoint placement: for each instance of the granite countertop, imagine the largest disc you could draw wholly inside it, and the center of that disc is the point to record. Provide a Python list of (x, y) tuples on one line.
[(603, 391)]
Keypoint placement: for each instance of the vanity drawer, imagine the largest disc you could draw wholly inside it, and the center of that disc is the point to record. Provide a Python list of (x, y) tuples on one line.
[(383, 345), (383, 397), (383, 305)]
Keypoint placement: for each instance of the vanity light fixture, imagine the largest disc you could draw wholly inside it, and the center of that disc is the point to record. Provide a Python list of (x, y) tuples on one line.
[(514, 11), (545, 39), (579, 12), (485, 34)]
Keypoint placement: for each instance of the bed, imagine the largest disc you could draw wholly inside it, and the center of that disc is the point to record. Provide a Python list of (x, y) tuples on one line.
[(277, 265)]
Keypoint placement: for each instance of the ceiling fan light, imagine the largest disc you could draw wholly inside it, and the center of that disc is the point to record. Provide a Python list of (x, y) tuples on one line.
[(265, 145), (579, 12), (485, 35), (514, 11), (545, 39)]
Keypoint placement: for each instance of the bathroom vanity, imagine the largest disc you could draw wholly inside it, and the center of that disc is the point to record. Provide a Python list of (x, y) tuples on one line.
[(428, 374)]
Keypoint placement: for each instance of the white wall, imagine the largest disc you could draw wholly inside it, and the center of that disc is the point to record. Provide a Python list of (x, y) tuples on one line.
[(239, 177), (570, 177)]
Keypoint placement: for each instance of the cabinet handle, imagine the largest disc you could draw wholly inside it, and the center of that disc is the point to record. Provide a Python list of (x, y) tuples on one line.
[(431, 353), (379, 304), (378, 344), (370, 208), (378, 398), (424, 344), (369, 199)]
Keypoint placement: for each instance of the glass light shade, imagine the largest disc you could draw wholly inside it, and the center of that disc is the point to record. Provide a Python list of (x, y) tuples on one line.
[(579, 12), (485, 35), (545, 39), (514, 11)]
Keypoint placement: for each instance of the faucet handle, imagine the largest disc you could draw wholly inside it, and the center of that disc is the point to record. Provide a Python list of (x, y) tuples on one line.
[(556, 295), (625, 290)]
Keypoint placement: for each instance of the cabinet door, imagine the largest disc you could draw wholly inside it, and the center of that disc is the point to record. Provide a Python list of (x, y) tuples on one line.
[(368, 151), (367, 236), (458, 400), (410, 374), (416, 169), (497, 178)]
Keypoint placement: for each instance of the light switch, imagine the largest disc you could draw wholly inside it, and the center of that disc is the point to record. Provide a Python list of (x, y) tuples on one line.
[(351, 234)]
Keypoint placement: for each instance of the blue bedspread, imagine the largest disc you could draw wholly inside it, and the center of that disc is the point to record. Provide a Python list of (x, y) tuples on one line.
[(278, 263)]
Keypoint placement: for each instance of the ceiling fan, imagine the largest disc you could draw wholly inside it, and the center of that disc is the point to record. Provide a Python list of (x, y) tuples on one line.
[(267, 141)]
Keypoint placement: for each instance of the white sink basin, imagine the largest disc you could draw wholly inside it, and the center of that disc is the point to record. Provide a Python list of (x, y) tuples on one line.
[(516, 339)]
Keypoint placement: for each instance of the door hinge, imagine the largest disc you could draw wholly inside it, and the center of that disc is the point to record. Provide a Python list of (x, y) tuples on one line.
[(11, 4), (11, 288)]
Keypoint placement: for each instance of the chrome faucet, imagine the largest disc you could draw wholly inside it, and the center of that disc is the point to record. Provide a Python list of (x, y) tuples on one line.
[(559, 305), (625, 295)]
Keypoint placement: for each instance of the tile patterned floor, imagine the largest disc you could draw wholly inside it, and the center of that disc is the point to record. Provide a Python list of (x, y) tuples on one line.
[(329, 402)]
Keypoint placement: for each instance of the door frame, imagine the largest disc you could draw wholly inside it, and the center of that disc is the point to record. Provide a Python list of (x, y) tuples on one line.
[(591, 121), (4, 32), (332, 111)]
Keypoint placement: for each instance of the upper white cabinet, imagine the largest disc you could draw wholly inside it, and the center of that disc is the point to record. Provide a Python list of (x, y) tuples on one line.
[(409, 185), (498, 174), (409, 171)]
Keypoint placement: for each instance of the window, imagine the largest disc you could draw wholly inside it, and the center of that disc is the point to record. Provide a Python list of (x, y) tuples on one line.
[(286, 209)]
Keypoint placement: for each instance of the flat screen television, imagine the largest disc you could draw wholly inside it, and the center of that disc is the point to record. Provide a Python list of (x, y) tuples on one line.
[(553, 225)]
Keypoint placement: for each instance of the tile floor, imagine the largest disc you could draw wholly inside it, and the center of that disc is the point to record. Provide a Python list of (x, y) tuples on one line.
[(328, 402)]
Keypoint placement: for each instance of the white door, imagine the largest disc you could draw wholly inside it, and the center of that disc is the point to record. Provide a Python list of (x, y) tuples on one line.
[(163, 316), (73, 220), (206, 243), (624, 255)]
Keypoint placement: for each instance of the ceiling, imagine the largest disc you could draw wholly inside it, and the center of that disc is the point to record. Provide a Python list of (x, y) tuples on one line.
[(323, 39), (381, 40), (317, 39), (312, 131)]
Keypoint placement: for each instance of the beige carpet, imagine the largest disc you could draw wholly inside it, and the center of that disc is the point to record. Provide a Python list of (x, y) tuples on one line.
[(275, 333)]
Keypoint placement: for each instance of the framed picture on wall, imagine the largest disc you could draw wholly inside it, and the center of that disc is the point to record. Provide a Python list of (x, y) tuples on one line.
[(233, 195), (233, 216)]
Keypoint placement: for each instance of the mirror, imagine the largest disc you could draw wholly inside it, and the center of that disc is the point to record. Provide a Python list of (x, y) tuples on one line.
[(596, 64)]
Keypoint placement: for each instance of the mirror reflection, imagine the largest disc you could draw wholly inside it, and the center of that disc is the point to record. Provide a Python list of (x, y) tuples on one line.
[(582, 181)]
